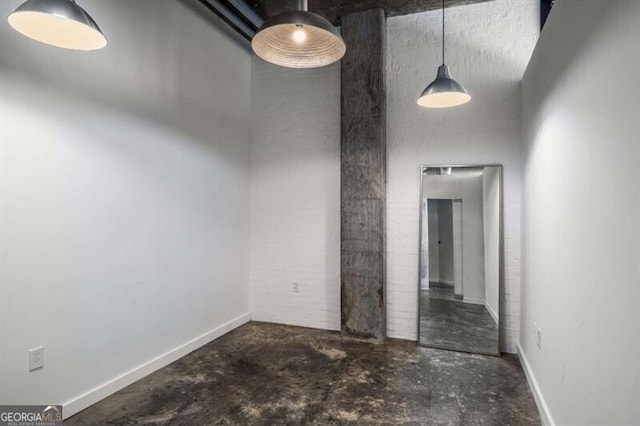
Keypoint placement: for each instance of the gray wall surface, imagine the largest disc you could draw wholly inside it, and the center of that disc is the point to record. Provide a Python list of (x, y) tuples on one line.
[(491, 213), (433, 261), (123, 198), (581, 271), (445, 237)]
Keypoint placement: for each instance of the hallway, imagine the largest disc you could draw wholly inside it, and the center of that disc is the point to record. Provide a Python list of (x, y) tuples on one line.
[(449, 323)]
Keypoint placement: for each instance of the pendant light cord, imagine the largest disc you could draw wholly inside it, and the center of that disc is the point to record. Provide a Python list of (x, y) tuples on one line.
[(443, 61)]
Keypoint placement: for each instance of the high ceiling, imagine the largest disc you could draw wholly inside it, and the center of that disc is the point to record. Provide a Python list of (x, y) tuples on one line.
[(334, 9)]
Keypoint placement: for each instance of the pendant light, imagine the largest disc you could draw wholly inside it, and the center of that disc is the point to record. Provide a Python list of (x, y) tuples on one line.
[(444, 92), (59, 23), (299, 39)]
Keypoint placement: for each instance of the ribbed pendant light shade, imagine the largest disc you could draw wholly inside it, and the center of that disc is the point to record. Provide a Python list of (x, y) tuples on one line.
[(299, 39), (59, 23)]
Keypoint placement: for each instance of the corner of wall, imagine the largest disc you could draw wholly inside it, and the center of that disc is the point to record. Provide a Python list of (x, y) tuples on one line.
[(545, 413), (80, 402)]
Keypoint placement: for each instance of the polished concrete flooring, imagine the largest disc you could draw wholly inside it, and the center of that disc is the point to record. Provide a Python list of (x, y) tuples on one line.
[(449, 323), (266, 374), (441, 291)]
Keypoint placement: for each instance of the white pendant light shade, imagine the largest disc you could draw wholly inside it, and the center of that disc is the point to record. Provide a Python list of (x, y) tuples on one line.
[(444, 92), (59, 23), (299, 39)]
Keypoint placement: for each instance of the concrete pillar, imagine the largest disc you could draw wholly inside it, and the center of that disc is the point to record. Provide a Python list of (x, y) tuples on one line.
[(363, 174)]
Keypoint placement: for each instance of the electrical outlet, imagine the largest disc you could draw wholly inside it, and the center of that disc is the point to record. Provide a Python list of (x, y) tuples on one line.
[(36, 358), (296, 288)]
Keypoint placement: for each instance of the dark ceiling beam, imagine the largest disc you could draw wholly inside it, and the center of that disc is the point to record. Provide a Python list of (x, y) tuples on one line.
[(243, 8), (237, 14), (545, 10), (334, 9)]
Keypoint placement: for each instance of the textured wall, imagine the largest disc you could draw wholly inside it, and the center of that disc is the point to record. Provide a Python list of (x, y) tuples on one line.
[(295, 195), (363, 176), (581, 214), (124, 182), (295, 160), (489, 46)]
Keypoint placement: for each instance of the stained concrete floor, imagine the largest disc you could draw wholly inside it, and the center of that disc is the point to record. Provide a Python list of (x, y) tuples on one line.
[(267, 374), (453, 324), (441, 291)]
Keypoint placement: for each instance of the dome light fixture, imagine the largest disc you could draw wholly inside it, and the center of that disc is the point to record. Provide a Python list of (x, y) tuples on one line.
[(299, 39), (59, 23), (444, 92)]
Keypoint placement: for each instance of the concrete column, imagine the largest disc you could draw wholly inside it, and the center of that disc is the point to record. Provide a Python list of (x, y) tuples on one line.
[(363, 173)]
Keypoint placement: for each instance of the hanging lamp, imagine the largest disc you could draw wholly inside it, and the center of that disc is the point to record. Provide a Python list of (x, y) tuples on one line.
[(299, 39), (59, 23), (444, 92)]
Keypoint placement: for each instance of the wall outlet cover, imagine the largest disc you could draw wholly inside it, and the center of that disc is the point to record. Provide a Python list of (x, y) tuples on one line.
[(36, 358)]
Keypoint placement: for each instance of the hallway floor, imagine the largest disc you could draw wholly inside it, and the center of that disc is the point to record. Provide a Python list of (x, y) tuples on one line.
[(275, 374), (449, 323)]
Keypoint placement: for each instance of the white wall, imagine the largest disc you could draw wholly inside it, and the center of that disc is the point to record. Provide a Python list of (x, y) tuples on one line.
[(123, 199), (489, 45), (296, 122), (465, 185), (424, 243), (295, 195), (581, 273), (491, 214), (445, 237), (433, 265), (456, 217)]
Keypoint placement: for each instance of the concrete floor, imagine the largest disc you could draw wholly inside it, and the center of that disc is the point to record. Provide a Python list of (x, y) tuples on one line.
[(274, 374), (441, 291), (452, 324)]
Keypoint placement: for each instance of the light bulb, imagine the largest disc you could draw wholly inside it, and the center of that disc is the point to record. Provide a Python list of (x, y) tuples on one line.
[(299, 35)]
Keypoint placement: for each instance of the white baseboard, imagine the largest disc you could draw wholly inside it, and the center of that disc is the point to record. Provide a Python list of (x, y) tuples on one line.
[(545, 414), (492, 313), (473, 301), (89, 398)]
